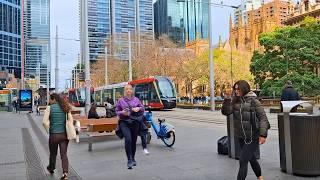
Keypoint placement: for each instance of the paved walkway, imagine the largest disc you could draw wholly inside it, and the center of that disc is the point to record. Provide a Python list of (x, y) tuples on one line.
[(24, 155)]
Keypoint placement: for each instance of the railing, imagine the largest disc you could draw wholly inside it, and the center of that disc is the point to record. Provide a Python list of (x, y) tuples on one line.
[(264, 102)]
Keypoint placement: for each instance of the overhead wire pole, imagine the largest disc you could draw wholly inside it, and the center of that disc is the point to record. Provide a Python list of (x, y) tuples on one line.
[(130, 60), (211, 64), (57, 64), (85, 46), (211, 45), (22, 45), (106, 65)]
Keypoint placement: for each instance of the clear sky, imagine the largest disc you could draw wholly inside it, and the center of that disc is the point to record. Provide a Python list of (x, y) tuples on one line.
[(65, 14)]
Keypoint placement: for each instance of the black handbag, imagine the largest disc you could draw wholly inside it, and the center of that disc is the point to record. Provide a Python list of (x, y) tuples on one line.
[(119, 132), (134, 116)]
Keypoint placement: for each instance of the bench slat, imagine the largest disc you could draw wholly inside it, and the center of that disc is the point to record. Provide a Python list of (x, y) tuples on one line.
[(101, 127)]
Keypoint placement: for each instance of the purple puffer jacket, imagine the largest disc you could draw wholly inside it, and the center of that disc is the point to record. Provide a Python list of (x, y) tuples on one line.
[(123, 104)]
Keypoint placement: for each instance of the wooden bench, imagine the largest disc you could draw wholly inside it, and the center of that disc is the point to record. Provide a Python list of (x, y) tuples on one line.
[(98, 128), (75, 112)]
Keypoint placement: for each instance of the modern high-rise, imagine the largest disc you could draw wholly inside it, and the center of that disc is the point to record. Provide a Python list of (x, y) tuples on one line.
[(37, 39), (244, 8), (182, 21), (196, 19), (10, 36), (108, 18), (168, 19)]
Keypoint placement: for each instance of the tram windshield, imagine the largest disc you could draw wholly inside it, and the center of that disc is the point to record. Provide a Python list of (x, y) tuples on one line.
[(166, 88)]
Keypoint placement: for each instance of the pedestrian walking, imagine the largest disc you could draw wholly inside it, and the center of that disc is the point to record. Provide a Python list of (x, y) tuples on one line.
[(143, 131), (59, 111), (130, 112), (15, 104), (251, 125)]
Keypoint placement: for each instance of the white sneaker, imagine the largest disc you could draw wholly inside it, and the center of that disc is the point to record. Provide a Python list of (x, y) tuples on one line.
[(146, 152)]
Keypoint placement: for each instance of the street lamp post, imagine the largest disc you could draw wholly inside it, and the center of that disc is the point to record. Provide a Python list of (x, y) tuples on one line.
[(57, 65), (130, 61), (211, 45), (211, 64), (85, 51), (106, 65)]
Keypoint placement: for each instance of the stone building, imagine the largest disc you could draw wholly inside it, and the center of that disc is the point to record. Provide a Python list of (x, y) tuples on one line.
[(245, 32)]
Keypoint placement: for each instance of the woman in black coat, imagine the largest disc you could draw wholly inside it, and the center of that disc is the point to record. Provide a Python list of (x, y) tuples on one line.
[(251, 125)]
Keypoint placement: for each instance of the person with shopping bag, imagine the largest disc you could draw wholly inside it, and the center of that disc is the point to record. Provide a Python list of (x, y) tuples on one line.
[(58, 122)]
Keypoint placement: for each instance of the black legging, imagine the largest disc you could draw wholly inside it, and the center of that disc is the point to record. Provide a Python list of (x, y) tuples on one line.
[(246, 155), (143, 140), (130, 132)]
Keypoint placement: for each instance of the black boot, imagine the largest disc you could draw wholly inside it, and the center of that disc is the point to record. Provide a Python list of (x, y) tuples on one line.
[(51, 171)]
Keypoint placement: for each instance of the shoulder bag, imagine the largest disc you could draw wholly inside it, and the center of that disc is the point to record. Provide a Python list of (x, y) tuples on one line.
[(46, 119), (71, 130)]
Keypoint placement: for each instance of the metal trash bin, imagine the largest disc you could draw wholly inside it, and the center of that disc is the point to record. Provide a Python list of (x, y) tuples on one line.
[(299, 141), (233, 143)]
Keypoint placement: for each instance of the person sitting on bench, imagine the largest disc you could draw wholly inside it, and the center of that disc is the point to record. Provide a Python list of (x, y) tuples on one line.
[(93, 112)]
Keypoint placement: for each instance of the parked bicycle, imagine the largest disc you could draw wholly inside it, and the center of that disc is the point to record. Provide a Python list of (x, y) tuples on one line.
[(163, 130)]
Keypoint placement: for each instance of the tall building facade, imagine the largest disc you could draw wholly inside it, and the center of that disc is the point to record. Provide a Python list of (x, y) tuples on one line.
[(244, 33), (99, 26), (10, 36), (303, 9), (109, 18), (244, 8), (196, 20), (168, 19), (183, 21), (37, 40)]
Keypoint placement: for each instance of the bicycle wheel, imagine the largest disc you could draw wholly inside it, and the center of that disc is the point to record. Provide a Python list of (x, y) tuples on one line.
[(169, 139)]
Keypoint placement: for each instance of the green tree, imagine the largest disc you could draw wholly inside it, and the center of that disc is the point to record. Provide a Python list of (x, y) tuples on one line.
[(290, 53)]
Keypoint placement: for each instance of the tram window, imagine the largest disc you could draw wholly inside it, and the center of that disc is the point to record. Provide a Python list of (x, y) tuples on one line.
[(119, 93), (107, 93), (153, 93), (142, 91)]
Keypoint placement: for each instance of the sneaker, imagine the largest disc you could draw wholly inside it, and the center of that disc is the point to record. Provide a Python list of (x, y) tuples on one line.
[(134, 162), (50, 170), (145, 151), (64, 177), (130, 164)]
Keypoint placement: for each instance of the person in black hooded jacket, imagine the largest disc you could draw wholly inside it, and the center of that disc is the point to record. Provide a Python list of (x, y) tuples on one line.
[(249, 129), (289, 93)]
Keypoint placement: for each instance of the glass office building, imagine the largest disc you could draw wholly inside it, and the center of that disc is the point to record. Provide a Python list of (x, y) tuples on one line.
[(168, 19), (37, 39), (108, 18), (182, 21), (10, 36), (196, 21), (98, 26)]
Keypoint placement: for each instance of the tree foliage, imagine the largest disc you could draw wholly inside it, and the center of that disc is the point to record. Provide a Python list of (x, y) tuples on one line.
[(290, 53)]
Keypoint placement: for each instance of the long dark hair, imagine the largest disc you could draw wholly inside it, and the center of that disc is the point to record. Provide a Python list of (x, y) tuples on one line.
[(66, 108), (244, 88)]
